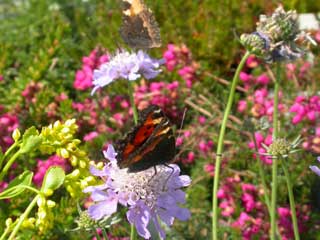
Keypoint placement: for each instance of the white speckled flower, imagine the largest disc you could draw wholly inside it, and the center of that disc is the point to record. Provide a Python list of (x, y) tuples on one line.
[(148, 196)]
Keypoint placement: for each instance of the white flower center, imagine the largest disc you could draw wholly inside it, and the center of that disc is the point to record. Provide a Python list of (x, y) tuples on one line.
[(145, 185)]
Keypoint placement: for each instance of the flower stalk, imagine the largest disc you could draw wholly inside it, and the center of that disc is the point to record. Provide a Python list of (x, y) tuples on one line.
[(275, 158), (220, 147), (133, 105), (291, 200), (23, 217)]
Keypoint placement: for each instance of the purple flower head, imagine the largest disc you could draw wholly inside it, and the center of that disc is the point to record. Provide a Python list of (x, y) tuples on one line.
[(147, 196), (128, 66)]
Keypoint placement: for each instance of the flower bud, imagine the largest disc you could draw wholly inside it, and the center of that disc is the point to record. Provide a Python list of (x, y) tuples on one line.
[(16, 135)]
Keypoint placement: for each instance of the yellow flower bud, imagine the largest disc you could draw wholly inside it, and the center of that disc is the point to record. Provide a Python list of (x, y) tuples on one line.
[(90, 179), (75, 174), (74, 161), (83, 184), (51, 204), (82, 164), (8, 222), (48, 192), (41, 202), (16, 134), (64, 153), (56, 124), (100, 165)]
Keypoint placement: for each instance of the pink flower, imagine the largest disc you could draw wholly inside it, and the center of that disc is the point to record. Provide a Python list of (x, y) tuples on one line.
[(202, 120), (252, 61), (8, 123), (84, 76), (263, 79), (242, 105), (90, 136), (245, 77), (209, 168), (43, 166)]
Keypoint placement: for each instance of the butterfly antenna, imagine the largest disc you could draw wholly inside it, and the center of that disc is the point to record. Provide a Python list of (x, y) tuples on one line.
[(181, 124), (172, 171)]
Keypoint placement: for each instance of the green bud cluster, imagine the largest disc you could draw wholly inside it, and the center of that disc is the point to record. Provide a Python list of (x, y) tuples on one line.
[(280, 26), (85, 222), (275, 37)]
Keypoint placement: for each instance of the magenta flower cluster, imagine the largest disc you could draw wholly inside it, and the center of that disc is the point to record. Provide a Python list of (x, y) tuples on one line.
[(180, 58), (8, 123), (305, 108), (162, 94), (44, 165), (251, 217), (84, 76), (259, 104)]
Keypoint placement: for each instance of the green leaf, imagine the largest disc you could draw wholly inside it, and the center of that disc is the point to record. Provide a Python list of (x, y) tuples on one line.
[(32, 131), (13, 190), (30, 143), (53, 179)]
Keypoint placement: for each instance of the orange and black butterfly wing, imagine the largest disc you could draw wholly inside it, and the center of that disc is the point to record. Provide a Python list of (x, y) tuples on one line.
[(150, 143), (139, 28)]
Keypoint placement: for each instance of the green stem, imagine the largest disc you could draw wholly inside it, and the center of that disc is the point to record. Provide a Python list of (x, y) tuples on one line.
[(292, 203), (8, 152), (262, 175), (8, 165), (133, 234), (97, 234), (23, 217), (104, 234), (133, 105), (275, 119), (220, 147), (6, 231)]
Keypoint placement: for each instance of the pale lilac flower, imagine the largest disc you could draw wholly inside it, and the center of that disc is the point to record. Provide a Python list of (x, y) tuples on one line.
[(316, 169), (125, 65), (148, 196)]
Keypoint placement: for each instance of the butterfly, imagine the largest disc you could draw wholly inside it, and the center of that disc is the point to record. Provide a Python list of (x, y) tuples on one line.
[(139, 27), (150, 143)]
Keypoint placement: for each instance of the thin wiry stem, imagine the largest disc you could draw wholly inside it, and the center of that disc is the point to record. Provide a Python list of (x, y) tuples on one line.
[(273, 219), (220, 147)]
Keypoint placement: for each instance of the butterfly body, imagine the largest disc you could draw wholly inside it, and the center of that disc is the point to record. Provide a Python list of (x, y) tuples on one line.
[(139, 28), (150, 143)]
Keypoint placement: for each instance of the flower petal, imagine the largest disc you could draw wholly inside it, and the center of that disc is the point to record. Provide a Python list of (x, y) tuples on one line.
[(110, 154), (315, 169), (102, 209)]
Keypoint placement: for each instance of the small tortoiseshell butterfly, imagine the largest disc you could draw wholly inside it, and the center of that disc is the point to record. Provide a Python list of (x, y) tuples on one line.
[(139, 27), (148, 144)]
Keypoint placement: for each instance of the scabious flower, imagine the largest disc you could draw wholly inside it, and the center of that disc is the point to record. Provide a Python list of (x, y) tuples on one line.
[(130, 66), (148, 196), (275, 37)]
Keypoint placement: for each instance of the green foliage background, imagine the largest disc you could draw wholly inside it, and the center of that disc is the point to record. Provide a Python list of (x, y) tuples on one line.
[(44, 41)]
